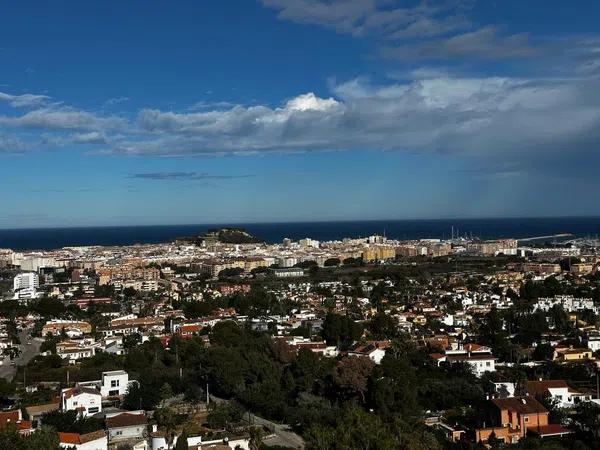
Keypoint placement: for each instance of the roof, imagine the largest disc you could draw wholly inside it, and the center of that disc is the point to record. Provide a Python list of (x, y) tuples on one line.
[(125, 420), (41, 409), (471, 357), (522, 405), (76, 438), (78, 390), (537, 388), (9, 417), (552, 429)]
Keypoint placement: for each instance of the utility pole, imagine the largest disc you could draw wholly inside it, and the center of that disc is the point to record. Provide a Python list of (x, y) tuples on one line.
[(207, 396)]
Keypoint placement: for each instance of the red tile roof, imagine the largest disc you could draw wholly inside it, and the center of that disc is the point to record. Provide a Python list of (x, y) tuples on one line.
[(522, 405), (552, 429), (125, 420), (7, 417), (76, 438), (537, 388)]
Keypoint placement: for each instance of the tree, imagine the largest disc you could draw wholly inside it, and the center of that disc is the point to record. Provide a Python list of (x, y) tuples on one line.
[(182, 441), (167, 419), (12, 352), (224, 415), (69, 422), (351, 375), (587, 419), (42, 439), (543, 352), (383, 326), (166, 392), (256, 438), (320, 437), (132, 340), (340, 330), (129, 292), (332, 262), (227, 333)]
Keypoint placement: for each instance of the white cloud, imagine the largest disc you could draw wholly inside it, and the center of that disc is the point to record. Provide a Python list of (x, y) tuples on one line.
[(501, 117), (24, 100), (93, 137), (62, 119), (116, 100)]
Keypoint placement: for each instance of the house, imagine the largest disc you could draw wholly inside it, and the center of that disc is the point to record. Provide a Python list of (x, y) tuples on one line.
[(512, 418), (95, 440), (74, 354), (127, 427), (556, 390), (572, 354), (375, 351), (114, 383), (36, 412), (70, 327), (15, 418), (478, 357), (86, 400)]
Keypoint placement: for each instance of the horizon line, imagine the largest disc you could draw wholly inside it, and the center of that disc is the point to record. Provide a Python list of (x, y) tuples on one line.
[(291, 222)]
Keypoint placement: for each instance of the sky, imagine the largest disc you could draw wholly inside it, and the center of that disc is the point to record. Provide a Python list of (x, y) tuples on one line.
[(132, 112)]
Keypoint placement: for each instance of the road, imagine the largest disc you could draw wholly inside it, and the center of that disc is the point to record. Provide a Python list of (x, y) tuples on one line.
[(281, 432), (27, 353)]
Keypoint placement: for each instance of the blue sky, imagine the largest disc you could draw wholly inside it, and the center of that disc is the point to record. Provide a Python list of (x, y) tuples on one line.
[(134, 112)]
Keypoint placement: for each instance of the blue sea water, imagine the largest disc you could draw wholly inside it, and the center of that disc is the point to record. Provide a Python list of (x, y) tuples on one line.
[(50, 238)]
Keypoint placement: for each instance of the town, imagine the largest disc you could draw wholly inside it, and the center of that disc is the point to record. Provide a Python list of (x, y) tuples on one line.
[(223, 341)]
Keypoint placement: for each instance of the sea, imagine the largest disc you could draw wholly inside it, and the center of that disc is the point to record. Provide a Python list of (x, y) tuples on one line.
[(52, 238)]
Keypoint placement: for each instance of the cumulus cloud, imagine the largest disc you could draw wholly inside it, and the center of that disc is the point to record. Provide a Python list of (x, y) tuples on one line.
[(24, 100), (490, 115), (429, 111), (62, 118)]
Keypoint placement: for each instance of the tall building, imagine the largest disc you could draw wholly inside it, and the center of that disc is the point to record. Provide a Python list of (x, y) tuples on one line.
[(25, 285)]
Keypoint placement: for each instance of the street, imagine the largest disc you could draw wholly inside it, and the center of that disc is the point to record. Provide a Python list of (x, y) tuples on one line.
[(282, 434), (8, 371)]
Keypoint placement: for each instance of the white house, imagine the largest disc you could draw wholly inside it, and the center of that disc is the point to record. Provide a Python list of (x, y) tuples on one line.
[(375, 351), (127, 427), (95, 440), (557, 390), (478, 357), (114, 383), (86, 400), (74, 354)]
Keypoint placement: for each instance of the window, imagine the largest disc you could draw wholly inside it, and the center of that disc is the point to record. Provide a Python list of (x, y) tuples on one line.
[(114, 383), (488, 364), (93, 410), (526, 419), (118, 433)]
